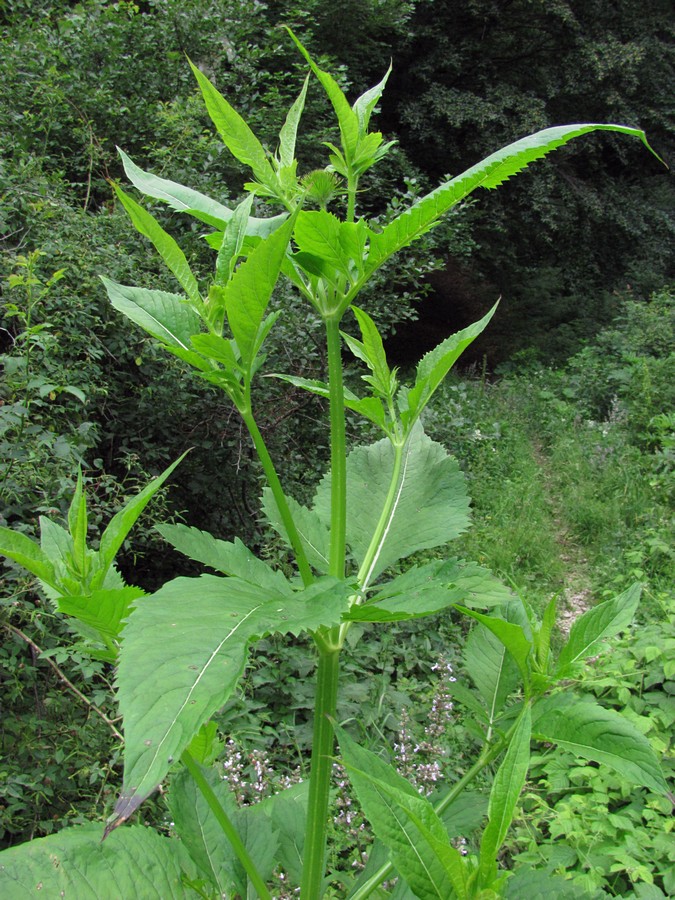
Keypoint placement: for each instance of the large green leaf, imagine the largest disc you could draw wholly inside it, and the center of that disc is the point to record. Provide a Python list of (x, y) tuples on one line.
[(165, 316), (104, 610), (425, 590), (512, 635), (165, 245), (230, 558), (488, 173), (491, 668), (184, 649), (431, 506), (589, 730), (27, 553), (599, 623), (406, 823), (76, 865), (506, 788)]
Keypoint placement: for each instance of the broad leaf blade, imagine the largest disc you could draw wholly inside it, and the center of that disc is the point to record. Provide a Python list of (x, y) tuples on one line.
[(431, 505), (512, 636), (184, 649), (164, 316), (406, 823), (508, 783), (165, 245), (123, 521), (589, 730), (233, 241), (27, 553), (491, 668), (595, 626), (314, 533), (74, 863)]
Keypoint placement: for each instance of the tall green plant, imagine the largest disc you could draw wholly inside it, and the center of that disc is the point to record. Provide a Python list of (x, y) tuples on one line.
[(184, 648)]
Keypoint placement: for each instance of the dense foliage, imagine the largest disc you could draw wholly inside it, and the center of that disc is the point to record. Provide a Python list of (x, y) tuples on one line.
[(584, 241)]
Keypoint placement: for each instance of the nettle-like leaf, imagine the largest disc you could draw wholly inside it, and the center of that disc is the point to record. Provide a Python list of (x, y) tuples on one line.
[(512, 635), (27, 553), (165, 316), (104, 610), (313, 530), (587, 729), (428, 589), (185, 648), (187, 200), (406, 823), (133, 862), (430, 508), (489, 173), (593, 627)]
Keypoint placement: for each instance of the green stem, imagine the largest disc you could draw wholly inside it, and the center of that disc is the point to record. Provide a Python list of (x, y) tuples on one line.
[(279, 496), (486, 757), (384, 522), (226, 824), (320, 773), (338, 451)]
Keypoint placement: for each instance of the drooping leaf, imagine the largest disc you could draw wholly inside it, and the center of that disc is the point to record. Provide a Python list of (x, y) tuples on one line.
[(230, 558), (488, 173), (27, 553), (369, 407), (596, 625), (184, 649), (512, 636), (589, 730), (123, 521), (164, 316), (74, 863), (236, 135), (506, 789), (406, 823), (103, 610), (165, 245), (491, 667), (427, 589), (431, 506), (314, 533)]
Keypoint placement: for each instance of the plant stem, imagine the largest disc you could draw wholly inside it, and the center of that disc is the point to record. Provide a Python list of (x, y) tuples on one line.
[(279, 496), (226, 824), (320, 773), (338, 451)]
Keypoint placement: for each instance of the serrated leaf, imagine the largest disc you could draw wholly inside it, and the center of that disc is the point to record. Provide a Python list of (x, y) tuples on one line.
[(27, 553), (74, 863), (506, 788), (230, 558), (370, 408), (488, 173), (166, 246), (428, 589), (314, 533), (163, 315), (589, 730), (123, 521), (406, 823), (103, 610), (371, 351), (596, 625), (491, 667), (236, 135), (431, 505), (208, 623)]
